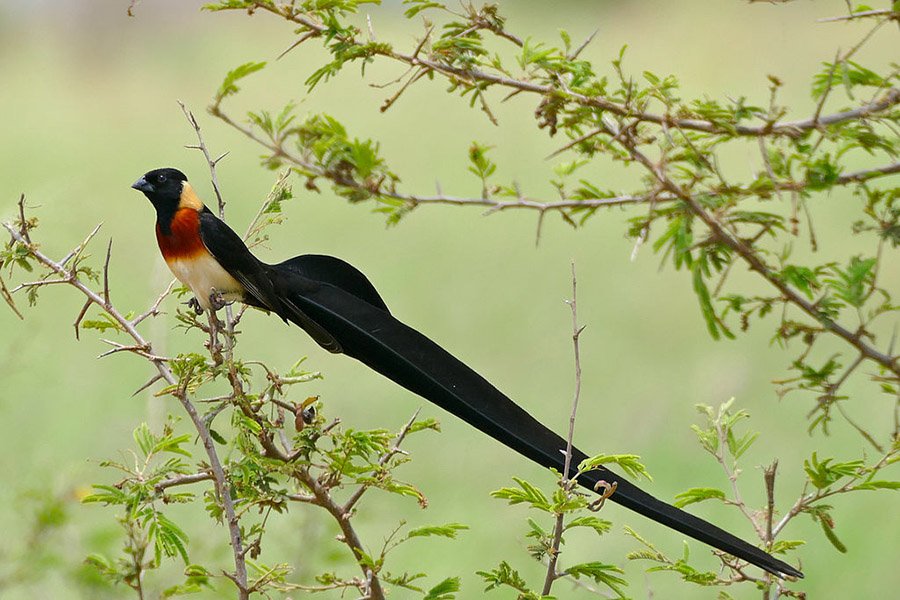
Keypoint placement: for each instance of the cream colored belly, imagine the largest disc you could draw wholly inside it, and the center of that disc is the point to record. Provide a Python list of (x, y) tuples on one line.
[(204, 276)]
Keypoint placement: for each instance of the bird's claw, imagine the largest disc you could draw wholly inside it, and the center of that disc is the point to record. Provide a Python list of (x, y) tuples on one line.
[(217, 300), (194, 305)]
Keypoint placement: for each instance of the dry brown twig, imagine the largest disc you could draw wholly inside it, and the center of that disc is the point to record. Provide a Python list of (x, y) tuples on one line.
[(567, 483)]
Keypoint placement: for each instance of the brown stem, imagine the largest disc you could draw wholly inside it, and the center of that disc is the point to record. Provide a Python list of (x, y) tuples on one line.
[(553, 552), (471, 76), (349, 537), (219, 477), (756, 264)]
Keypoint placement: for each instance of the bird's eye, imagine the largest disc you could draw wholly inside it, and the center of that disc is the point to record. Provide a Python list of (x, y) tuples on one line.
[(160, 178)]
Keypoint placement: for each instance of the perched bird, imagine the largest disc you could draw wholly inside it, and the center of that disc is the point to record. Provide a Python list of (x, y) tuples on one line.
[(338, 306)]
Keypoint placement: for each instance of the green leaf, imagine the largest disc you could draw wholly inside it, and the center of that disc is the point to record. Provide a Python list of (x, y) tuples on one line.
[(449, 530), (851, 284), (418, 6), (444, 590), (783, 546), (822, 173), (828, 528), (229, 84), (878, 485), (102, 324), (694, 495), (630, 463), (802, 278), (600, 573), (505, 575), (168, 538), (599, 525), (713, 324), (823, 473), (526, 493), (106, 494)]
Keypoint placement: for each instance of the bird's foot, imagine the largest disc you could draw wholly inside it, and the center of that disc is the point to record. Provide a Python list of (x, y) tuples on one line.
[(194, 305), (217, 300)]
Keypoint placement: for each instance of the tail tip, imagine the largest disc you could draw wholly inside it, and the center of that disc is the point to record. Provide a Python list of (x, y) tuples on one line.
[(786, 571)]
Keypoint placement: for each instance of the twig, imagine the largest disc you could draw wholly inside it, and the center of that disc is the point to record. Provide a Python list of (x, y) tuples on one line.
[(769, 478), (756, 263), (23, 224), (566, 482), (106, 272), (573, 55), (394, 450), (7, 296), (80, 317), (862, 15), (349, 537), (182, 480), (732, 474), (492, 205), (209, 159), (472, 76), (150, 382), (828, 87), (300, 40), (254, 223), (140, 350), (221, 481), (154, 308), (76, 252), (808, 499)]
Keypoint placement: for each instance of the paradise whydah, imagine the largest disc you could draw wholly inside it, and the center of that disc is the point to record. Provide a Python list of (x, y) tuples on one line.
[(337, 305)]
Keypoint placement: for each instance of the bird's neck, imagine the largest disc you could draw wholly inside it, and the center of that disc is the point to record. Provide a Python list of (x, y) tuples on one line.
[(165, 214)]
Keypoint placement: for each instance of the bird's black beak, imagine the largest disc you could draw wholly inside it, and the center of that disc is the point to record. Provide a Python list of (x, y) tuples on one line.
[(142, 185)]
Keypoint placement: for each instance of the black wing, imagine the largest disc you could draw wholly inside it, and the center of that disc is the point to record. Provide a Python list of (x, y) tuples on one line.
[(232, 253), (328, 269)]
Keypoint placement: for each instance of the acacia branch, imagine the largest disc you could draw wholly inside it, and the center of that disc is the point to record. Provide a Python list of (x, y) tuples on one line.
[(371, 584), (523, 202), (393, 451), (219, 478), (473, 77), (222, 354), (182, 480), (806, 500), (753, 260)]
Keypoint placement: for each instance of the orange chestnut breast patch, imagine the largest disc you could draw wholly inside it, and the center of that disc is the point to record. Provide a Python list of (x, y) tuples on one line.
[(184, 240)]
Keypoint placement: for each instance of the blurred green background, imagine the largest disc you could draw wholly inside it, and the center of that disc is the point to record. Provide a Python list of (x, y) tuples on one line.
[(88, 104)]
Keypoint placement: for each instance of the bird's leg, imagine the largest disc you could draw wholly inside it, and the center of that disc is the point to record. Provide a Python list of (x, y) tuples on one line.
[(194, 304), (217, 300)]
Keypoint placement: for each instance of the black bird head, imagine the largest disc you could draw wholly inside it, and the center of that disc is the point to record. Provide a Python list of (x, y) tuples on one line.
[(161, 186)]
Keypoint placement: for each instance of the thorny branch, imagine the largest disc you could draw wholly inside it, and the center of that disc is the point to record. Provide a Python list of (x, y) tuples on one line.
[(222, 355), (667, 190), (566, 482), (143, 348), (312, 28), (807, 499), (755, 263)]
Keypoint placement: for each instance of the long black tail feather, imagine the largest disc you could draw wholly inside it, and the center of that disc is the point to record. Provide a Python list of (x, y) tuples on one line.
[(367, 332)]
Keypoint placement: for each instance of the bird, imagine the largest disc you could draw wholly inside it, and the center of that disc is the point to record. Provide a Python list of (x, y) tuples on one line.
[(342, 311)]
